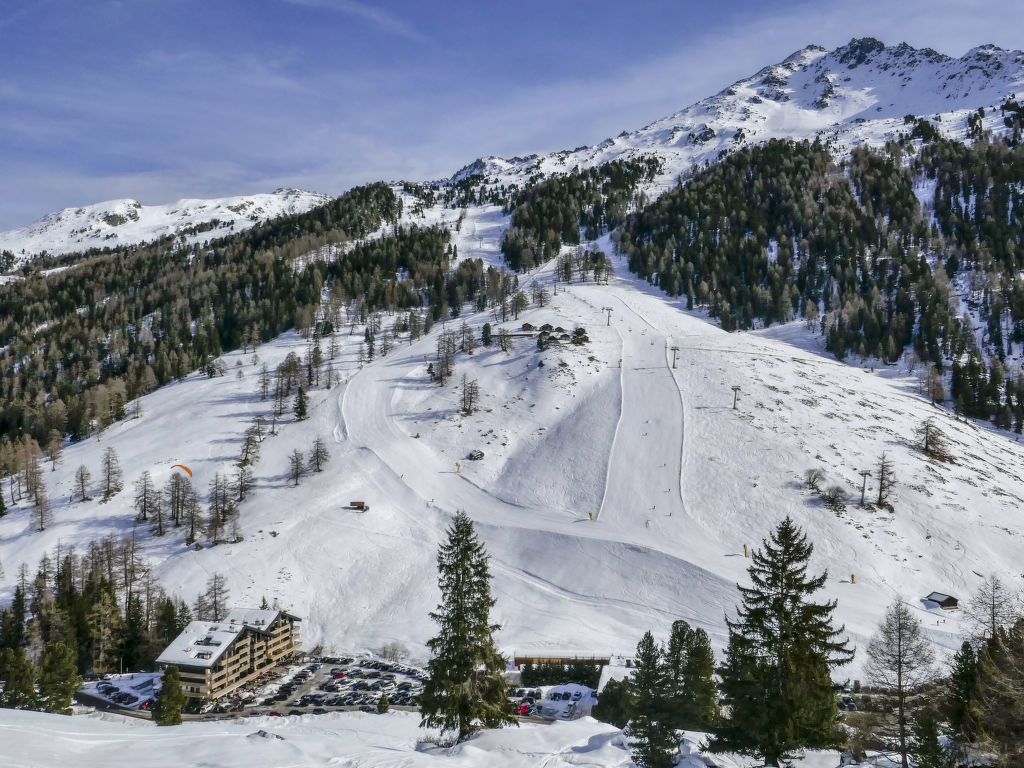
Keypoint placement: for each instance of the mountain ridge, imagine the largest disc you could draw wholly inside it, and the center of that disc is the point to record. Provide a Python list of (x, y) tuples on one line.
[(812, 93), (126, 221)]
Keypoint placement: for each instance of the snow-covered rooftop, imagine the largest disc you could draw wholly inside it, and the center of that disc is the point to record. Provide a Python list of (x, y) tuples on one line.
[(201, 643)]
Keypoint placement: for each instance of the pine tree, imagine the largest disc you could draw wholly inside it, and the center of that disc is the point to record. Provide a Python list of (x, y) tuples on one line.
[(899, 659), (782, 647), (615, 704), (965, 711), (690, 688), (147, 497), (1001, 694), (296, 465), (105, 628), (82, 478), (383, 705), (527, 674), (217, 597), (243, 482), (41, 510), (192, 512), (465, 682), (133, 636), (111, 474), (992, 608), (318, 455), (19, 676), (653, 739), (925, 747), (301, 404), (12, 629), (169, 699), (58, 679), (250, 446)]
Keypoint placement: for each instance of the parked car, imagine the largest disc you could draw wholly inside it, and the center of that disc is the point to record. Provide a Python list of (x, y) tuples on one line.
[(319, 711), (522, 709), (294, 712), (366, 708), (576, 696), (274, 713)]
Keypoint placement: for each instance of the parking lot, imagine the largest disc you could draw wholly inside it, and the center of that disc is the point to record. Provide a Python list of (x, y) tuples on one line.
[(326, 684)]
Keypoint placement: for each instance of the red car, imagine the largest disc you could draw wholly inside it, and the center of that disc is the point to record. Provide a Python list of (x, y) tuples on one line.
[(522, 709), (339, 676), (274, 714)]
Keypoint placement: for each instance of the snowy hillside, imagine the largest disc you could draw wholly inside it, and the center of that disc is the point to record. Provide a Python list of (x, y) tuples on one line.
[(364, 740), (617, 490), (858, 93), (676, 481), (126, 222)]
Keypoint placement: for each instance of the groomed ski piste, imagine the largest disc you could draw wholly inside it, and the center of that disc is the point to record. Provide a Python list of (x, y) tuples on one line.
[(612, 499)]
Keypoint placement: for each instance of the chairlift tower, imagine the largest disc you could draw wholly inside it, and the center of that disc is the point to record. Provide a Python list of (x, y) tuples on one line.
[(865, 474)]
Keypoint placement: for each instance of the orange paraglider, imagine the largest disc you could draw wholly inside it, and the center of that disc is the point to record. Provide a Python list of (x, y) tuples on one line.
[(183, 467)]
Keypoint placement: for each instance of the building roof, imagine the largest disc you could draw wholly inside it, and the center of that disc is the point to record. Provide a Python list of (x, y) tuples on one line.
[(201, 643), (940, 597)]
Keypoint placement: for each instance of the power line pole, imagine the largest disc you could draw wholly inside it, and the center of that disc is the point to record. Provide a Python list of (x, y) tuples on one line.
[(608, 311), (735, 395)]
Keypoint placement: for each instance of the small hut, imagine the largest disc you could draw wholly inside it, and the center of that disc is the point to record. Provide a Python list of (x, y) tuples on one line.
[(944, 601)]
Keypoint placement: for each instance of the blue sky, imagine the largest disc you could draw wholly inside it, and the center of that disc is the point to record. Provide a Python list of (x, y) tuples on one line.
[(162, 99)]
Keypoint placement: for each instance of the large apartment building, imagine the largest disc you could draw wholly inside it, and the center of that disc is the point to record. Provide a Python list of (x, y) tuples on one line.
[(215, 657)]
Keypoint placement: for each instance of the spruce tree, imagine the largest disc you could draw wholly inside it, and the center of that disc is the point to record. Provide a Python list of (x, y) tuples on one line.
[(653, 739), (689, 670), (19, 676), (58, 679), (383, 705), (133, 638), (12, 626), (965, 712), (465, 682), (528, 675), (615, 705), (169, 699), (301, 403), (782, 647), (925, 747)]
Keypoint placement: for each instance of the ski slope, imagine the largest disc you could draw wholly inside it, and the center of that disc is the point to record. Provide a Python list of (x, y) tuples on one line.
[(612, 499)]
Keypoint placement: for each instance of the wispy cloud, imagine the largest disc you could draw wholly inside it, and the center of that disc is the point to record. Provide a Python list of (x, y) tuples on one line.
[(379, 17)]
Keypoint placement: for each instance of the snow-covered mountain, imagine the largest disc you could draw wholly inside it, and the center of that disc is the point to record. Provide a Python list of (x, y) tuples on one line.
[(857, 93), (127, 222), (860, 92), (619, 486)]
